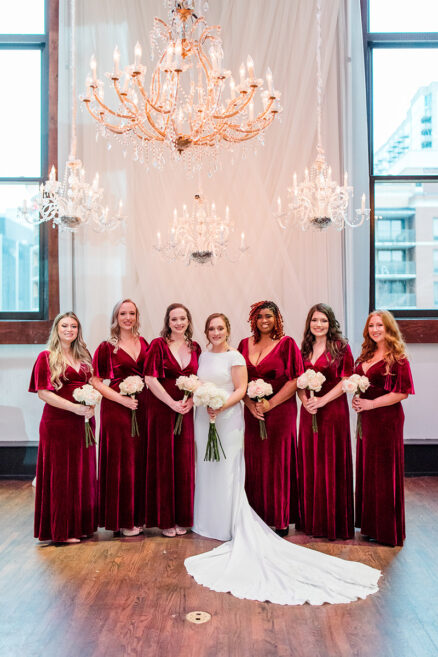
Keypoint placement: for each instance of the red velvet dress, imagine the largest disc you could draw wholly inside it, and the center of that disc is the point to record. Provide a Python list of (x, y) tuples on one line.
[(271, 465), (324, 459), (170, 473), (121, 456), (380, 509), (66, 489)]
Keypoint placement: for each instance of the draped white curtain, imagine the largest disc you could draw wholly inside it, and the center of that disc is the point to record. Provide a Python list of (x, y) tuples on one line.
[(293, 268)]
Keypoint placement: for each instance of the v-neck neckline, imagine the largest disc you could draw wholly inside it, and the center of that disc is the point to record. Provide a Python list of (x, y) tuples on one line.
[(372, 365), (135, 360), (176, 359), (264, 357), (320, 356)]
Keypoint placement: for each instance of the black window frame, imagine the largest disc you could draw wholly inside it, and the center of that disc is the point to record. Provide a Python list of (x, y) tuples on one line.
[(421, 325)]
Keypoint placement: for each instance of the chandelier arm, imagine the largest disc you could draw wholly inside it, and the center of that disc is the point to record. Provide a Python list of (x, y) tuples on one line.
[(147, 99), (247, 99), (107, 109), (163, 26), (243, 105), (126, 101)]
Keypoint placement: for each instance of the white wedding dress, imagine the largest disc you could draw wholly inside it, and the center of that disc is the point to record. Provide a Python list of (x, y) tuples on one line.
[(254, 563)]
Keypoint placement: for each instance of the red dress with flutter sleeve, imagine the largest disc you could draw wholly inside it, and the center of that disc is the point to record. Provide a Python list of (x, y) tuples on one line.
[(66, 489), (325, 463), (122, 459), (170, 472), (271, 465), (380, 508)]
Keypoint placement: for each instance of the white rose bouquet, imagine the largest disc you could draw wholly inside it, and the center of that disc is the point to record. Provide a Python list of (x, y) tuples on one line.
[(259, 389), (355, 384), (131, 386), (189, 384), (207, 394), (88, 396), (311, 381)]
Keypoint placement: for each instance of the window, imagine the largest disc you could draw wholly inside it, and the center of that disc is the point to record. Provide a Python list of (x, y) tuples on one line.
[(402, 95), (435, 261), (28, 253)]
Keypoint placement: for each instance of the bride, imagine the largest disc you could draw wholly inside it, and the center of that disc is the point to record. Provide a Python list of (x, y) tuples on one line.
[(254, 563)]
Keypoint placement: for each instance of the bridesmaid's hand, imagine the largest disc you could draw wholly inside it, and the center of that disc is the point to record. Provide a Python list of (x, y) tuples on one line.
[(189, 404), (263, 406), (305, 403), (360, 404), (180, 406), (85, 411), (127, 401), (313, 403), (252, 407)]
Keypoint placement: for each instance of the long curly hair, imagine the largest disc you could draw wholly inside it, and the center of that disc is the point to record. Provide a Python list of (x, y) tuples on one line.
[(278, 331), (225, 320), (395, 345), (166, 330), (115, 328), (336, 343), (79, 350)]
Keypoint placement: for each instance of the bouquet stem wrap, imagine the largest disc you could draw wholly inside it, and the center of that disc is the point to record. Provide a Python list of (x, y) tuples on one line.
[(262, 424), (359, 423), (90, 438), (179, 418), (134, 422), (213, 444), (314, 420)]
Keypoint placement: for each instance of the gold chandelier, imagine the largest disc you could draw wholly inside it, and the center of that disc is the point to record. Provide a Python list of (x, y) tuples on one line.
[(191, 105)]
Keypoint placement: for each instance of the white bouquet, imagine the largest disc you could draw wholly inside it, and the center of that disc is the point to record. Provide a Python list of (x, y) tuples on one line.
[(355, 384), (207, 394), (131, 386), (311, 381), (189, 384), (88, 396), (259, 389)]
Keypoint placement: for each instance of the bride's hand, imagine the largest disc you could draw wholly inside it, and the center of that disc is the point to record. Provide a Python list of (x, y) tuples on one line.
[(252, 407), (213, 412)]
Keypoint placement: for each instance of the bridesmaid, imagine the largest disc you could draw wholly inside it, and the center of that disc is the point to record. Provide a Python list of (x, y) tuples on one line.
[(271, 465), (170, 459), (324, 459), (121, 456), (380, 510), (66, 491)]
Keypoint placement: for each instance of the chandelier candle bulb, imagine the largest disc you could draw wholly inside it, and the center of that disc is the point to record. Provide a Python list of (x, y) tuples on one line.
[(213, 209), (362, 203), (251, 111), (345, 179), (116, 60), (178, 57), (93, 66), (250, 66), (295, 182), (269, 80), (242, 242), (279, 205), (242, 74), (232, 88), (158, 240), (52, 175), (227, 214), (137, 55)]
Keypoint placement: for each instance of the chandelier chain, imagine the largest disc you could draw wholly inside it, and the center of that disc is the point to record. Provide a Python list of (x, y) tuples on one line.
[(318, 72)]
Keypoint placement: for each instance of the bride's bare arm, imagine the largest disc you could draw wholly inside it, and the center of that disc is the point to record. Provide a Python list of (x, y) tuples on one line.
[(239, 375)]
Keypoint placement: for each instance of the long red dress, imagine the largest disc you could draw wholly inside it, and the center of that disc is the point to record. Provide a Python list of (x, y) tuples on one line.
[(325, 463), (271, 465), (380, 508), (170, 472), (121, 456), (66, 489)]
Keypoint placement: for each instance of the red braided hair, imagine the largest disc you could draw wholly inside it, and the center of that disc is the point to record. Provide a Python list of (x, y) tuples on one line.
[(277, 331)]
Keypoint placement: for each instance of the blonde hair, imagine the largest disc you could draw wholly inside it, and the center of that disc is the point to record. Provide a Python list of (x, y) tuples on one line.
[(56, 359), (395, 345), (115, 328)]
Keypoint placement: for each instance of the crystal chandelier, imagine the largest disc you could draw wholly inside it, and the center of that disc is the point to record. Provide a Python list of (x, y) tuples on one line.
[(191, 104), (319, 201), (72, 202), (200, 237)]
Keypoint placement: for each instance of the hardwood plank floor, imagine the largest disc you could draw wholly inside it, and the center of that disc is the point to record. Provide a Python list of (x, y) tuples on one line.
[(111, 597)]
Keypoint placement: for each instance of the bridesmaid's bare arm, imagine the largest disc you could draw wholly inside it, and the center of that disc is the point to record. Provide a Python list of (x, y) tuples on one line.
[(160, 393), (58, 402), (391, 398), (113, 395)]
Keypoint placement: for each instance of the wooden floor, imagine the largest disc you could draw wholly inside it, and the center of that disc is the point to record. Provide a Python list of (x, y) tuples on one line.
[(111, 597)]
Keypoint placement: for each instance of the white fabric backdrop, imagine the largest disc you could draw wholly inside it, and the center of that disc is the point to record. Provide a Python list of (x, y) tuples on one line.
[(295, 269)]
